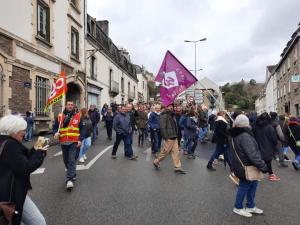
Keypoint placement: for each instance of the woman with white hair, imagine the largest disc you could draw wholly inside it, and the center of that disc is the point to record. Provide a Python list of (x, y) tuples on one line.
[(16, 164)]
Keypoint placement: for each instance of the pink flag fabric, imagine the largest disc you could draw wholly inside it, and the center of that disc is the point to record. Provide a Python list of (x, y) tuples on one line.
[(174, 79)]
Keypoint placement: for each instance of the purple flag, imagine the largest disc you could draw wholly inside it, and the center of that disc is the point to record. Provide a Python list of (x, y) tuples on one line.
[(174, 77)]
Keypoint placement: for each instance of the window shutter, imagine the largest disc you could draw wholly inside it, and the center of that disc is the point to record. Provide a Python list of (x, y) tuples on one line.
[(95, 68)]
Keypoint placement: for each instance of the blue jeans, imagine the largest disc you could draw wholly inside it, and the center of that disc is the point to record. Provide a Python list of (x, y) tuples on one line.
[(94, 132), (156, 141), (191, 145), (246, 188), (70, 156), (29, 131), (31, 214), (202, 133), (85, 145), (222, 149), (127, 147)]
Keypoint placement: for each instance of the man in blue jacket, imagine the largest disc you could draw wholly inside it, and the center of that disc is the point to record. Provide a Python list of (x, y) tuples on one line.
[(123, 128), (154, 125)]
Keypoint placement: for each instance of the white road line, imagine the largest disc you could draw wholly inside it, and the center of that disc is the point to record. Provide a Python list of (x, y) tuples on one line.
[(39, 171), (88, 166), (58, 154)]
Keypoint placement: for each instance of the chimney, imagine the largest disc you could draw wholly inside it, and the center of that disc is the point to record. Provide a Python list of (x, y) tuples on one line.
[(104, 25)]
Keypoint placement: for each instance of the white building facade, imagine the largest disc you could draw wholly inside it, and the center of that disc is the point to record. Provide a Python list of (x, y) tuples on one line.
[(37, 42), (270, 90), (143, 91), (111, 77)]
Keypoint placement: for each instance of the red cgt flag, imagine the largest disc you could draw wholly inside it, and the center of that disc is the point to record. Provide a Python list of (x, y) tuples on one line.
[(58, 90)]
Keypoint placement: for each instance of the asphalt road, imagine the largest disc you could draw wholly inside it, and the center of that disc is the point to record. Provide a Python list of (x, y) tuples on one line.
[(124, 192)]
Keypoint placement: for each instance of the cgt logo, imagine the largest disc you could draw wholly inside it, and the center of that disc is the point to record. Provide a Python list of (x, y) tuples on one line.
[(170, 80)]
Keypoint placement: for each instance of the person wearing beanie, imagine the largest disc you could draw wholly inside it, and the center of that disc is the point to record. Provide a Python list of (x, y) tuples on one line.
[(266, 138), (293, 134), (244, 148)]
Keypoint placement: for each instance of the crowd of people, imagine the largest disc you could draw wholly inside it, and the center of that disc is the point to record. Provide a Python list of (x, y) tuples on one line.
[(241, 140)]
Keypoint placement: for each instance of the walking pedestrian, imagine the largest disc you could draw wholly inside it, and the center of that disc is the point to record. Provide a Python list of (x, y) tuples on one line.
[(109, 117), (203, 123), (29, 130), (95, 118), (245, 151), (190, 132), (141, 122), (67, 128), (87, 130), (16, 164), (293, 134), (154, 125), (169, 132), (220, 137), (123, 128), (266, 138)]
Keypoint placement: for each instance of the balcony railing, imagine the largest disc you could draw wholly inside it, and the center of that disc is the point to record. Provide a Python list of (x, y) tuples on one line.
[(114, 88)]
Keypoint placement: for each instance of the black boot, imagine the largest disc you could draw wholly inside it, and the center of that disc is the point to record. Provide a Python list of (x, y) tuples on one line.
[(210, 167)]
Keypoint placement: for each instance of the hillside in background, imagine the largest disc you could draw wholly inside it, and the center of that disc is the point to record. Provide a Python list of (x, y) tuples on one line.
[(241, 95)]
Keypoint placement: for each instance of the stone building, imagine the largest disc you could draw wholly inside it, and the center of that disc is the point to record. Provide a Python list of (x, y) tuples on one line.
[(287, 73), (143, 91), (111, 77), (38, 41)]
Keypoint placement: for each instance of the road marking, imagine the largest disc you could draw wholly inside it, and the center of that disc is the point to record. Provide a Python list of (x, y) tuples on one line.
[(39, 171), (148, 152), (88, 166), (58, 154)]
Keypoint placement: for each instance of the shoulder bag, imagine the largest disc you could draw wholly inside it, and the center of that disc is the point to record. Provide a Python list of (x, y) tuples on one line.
[(7, 209), (292, 135), (251, 172)]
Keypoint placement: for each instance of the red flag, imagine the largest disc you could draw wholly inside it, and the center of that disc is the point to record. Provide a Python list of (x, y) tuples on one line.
[(58, 90)]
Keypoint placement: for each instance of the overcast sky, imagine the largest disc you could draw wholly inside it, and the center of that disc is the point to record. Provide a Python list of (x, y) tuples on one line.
[(243, 36)]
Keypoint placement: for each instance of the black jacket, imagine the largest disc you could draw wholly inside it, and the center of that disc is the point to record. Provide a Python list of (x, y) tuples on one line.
[(87, 127), (247, 149), (295, 129), (266, 138), (18, 162), (220, 135)]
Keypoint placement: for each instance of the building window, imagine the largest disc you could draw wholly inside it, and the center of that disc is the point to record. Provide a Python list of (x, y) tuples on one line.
[(74, 43), (134, 91), (43, 21), (93, 68), (122, 85), (128, 88), (42, 90)]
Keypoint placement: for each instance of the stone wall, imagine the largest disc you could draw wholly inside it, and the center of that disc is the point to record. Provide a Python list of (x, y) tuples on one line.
[(6, 44)]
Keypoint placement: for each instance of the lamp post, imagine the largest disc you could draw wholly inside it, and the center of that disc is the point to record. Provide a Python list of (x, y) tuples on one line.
[(195, 45)]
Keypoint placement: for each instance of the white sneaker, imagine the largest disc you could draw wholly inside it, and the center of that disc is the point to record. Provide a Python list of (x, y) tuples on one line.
[(69, 185), (84, 157), (242, 212), (81, 160), (254, 210)]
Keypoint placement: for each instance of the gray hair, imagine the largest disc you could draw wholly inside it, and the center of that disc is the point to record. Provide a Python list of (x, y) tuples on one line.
[(12, 124)]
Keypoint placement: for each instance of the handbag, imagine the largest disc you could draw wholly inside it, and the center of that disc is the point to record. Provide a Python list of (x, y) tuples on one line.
[(7, 209), (292, 135), (251, 172)]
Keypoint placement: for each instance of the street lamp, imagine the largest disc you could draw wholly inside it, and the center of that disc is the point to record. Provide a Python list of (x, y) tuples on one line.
[(195, 44)]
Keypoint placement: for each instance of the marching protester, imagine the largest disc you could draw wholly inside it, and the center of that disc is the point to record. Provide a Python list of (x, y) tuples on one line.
[(104, 110), (220, 137), (283, 122), (182, 124), (154, 125), (141, 122), (178, 113), (293, 134), (95, 118), (29, 130), (109, 117), (280, 137), (131, 113), (16, 164), (169, 132), (190, 132), (68, 129), (266, 138), (203, 123), (245, 152), (87, 130), (123, 129)]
